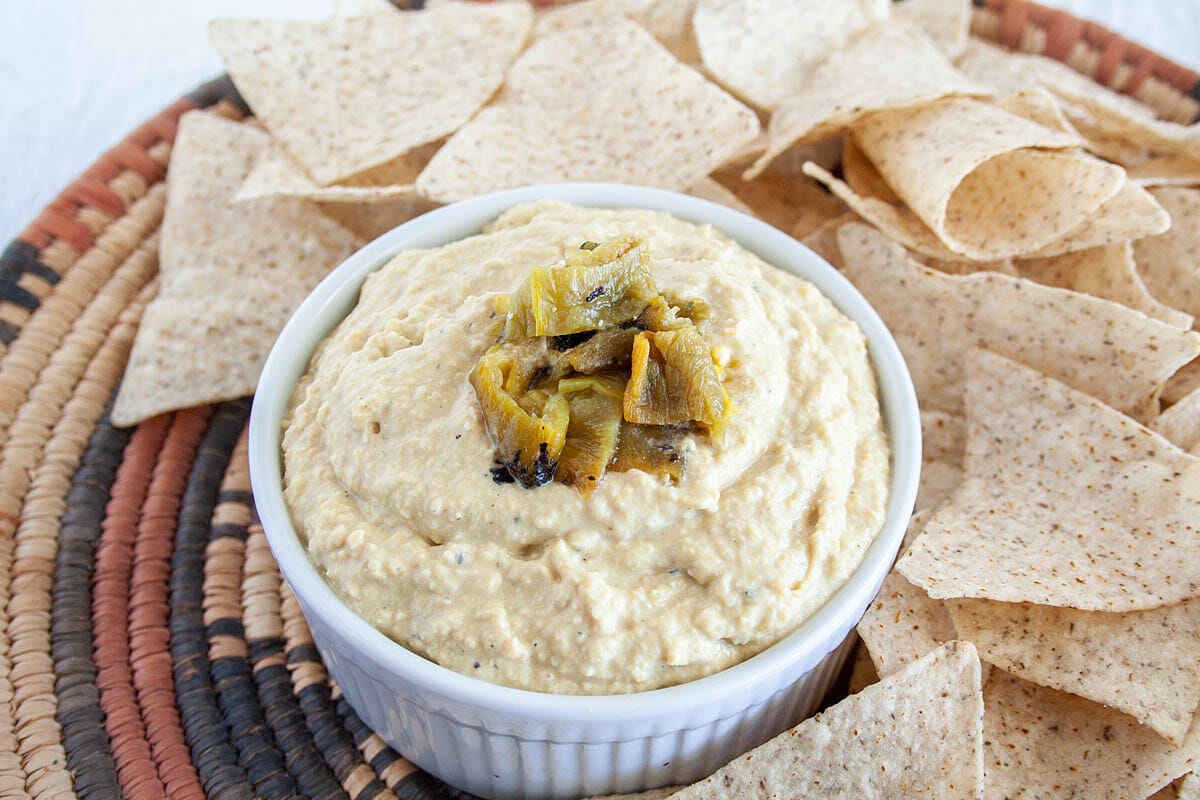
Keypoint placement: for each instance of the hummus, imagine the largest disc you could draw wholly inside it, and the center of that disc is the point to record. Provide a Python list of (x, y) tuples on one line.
[(644, 584)]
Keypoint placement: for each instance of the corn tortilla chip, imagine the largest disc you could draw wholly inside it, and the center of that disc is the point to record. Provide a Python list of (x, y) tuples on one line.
[(887, 66), (1131, 214), (823, 241), (1107, 272), (1066, 502), (709, 189), (231, 275), (1107, 350), (946, 22), (986, 181), (1145, 663), (1114, 116), (1040, 742), (650, 794), (1189, 788), (619, 108), (763, 50), (791, 202), (1170, 262), (1040, 106), (669, 21), (275, 174), (861, 175), (1166, 171), (1182, 383), (373, 219), (902, 624), (943, 443), (862, 673), (916, 733), (1180, 423), (350, 93)]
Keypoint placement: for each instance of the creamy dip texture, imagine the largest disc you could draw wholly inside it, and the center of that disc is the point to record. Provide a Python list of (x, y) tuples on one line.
[(644, 584)]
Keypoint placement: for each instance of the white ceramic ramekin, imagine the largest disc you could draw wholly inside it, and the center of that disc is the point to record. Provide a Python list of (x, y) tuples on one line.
[(499, 742)]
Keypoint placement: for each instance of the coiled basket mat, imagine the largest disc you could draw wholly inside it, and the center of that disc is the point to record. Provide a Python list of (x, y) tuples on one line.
[(148, 646)]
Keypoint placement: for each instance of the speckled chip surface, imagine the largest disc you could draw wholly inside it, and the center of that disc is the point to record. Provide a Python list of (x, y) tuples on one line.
[(595, 103), (231, 275), (1066, 502), (1113, 353), (917, 733), (350, 93)]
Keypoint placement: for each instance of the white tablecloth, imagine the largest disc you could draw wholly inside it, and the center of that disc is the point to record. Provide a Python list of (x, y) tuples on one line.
[(76, 77)]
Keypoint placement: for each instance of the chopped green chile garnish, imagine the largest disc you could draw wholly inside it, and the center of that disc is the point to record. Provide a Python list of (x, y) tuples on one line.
[(598, 371), (673, 379), (595, 403), (528, 439), (594, 289), (651, 448)]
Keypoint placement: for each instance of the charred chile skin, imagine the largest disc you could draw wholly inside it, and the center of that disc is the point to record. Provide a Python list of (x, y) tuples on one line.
[(538, 474)]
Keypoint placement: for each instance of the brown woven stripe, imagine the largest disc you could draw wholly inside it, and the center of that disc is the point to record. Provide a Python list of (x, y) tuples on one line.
[(208, 738), (1103, 55), (148, 634), (129, 239), (38, 734), (60, 220), (110, 609), (28, 434)]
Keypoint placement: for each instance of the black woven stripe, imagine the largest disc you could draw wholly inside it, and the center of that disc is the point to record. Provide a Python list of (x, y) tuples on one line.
[(18, 295), (236, 496), (224, 627), (258, 752), (89, 751), (1194, 93), (213, 753), (8, 331), (21, 257), (331, 738), (282, 713), (423, 786)]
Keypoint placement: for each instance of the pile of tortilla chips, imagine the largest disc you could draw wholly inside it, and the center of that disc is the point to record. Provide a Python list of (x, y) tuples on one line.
[(1031, 238)]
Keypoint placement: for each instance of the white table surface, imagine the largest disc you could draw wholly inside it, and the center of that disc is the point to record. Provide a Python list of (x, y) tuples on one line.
[(76, 77)]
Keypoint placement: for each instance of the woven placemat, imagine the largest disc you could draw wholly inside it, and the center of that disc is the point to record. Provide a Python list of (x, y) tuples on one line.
[(148, 647)]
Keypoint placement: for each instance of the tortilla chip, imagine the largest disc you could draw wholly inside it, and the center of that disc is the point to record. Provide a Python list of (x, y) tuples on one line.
[(709, 189), (1170, 262), (943, 442), (1145, 663), (1113, 116), (231, 275), (275, 174), (1040, 742), (1189, 788), (669, 21), (1180, 423), (862, 176), (371, 220), (350, 93), (1066, 503), (823, 241), (946, 22), (1131, 214), (650, 794), (792, 202), (987, 182), (1040, 106), (902, 624), (888, 66), (1107, 272), (916, 733), (862, 673), (1107, 350), (764, 50), (1166, 171), (618, 108)]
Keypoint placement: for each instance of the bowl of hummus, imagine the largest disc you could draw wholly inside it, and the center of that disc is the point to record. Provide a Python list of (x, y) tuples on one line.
[(583, 488)]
